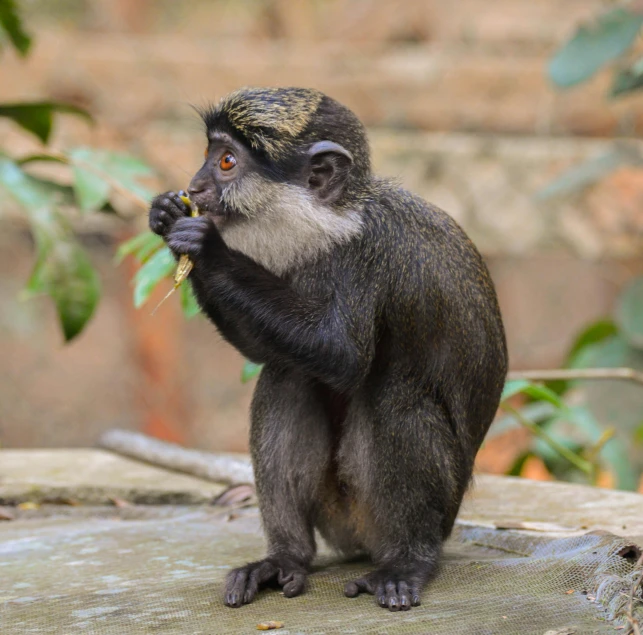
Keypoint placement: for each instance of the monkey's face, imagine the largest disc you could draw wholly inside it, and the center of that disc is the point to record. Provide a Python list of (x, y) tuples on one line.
[(228, 168), (276, 211), (236, 184)]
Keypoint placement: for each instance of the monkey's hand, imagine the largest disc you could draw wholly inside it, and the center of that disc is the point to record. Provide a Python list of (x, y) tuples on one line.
[(194, 237), (166, 209)]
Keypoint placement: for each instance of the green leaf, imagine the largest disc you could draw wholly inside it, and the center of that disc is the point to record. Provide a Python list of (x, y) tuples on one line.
[(535, 391), (513, 387), (37, 117), (638, 434), (614, 452), (593, 46), (628, 80), (141, 246), (73, 284), (158, 267), (34, 158), (610, 352), (250, 371), (91, 190), (63, 271), (518, 464), (536, 412), (28, 191), (11, 23), (189, 304), (580, 176), (113, 167), (23, 188), (629, 313), (592, 334)]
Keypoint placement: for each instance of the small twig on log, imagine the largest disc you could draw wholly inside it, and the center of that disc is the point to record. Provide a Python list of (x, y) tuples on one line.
[(574, 374), (232, 469)]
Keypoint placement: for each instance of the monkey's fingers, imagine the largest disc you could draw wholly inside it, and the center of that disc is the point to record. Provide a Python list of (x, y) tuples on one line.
[(293, 583), (404, 596), (360, 585), (415, 595), (260, 574), (390, 600), (179, 201), (235, 587), (390, 592), (188, 236)]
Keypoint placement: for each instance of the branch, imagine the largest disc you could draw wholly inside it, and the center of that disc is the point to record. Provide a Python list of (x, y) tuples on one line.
[(223, 468), (573, 374)]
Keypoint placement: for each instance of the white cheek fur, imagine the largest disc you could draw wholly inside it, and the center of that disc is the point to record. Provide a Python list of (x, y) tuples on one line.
[(285, 225)]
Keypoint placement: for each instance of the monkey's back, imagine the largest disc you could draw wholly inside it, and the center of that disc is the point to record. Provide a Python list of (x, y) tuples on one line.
[(439, 323)]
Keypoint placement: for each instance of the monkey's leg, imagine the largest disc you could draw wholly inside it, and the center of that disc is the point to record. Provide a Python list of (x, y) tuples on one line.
[(290, 446), (403, 461)]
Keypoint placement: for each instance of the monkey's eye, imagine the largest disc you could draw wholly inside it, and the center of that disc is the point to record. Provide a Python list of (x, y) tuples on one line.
[(227, 162)]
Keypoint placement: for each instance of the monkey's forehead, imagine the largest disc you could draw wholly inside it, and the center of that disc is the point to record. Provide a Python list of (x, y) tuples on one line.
[(218, 136), (266, 117)]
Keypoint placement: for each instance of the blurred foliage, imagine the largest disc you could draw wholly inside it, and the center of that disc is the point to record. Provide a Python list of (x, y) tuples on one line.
[(608, 42), (11, 28), (604, 433), (63, 270), (577, 442), (595, 45)]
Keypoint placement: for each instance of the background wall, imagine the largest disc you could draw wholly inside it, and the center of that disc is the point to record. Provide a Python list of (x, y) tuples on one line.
[(459, 108)]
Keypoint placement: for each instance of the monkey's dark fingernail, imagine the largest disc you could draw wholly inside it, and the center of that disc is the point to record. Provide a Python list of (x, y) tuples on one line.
[(415, 601), (392, 604), (182, 193)]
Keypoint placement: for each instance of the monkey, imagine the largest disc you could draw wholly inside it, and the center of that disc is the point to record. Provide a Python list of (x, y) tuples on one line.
[(378, 327)]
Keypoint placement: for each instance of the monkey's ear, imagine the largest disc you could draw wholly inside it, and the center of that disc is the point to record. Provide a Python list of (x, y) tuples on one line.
[(330, 164)]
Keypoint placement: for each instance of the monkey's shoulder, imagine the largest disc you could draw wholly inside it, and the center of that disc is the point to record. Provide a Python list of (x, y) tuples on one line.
[(407, 222)]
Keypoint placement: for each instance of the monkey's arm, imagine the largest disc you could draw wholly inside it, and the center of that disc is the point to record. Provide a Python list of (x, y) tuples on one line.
[(269, 320)]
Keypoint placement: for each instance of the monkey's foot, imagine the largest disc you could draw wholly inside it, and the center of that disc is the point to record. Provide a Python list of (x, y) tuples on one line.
[(243, 583), (393, 590)]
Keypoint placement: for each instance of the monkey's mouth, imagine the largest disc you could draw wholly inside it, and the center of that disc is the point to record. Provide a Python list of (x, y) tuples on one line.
[(221, 211), (213, 208)]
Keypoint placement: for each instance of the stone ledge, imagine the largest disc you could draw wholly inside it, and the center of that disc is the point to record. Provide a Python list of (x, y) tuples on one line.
[(95, 477)]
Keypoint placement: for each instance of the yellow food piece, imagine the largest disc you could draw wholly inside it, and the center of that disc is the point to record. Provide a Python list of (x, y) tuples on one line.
[(185, 264), (29, 505), (268, 626)]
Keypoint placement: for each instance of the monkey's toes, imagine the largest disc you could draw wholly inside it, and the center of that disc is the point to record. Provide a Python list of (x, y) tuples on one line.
[(389, 590), (242, 584)]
